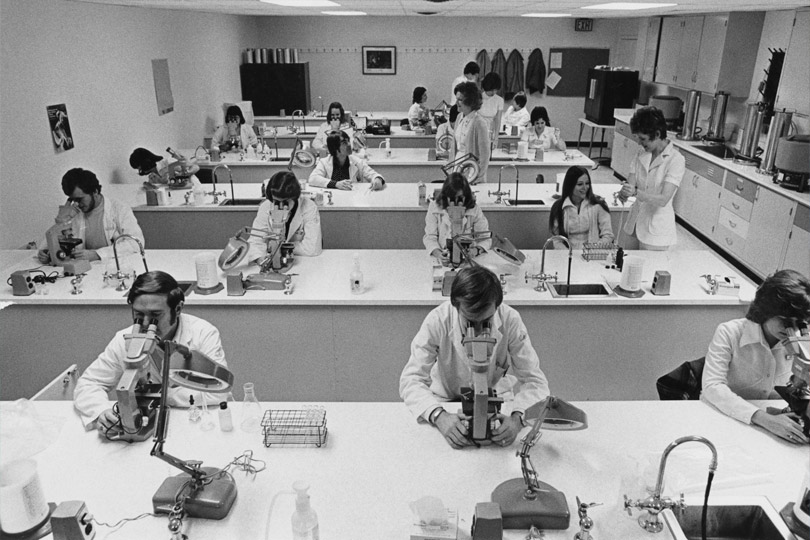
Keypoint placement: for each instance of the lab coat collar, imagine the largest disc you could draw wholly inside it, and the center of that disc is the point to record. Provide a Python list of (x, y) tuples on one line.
[(456, 330), (665, 154), (752, 334)]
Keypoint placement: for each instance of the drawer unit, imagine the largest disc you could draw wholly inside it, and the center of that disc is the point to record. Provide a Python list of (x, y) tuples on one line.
[(708, 170), (729, 240), (623, 129), (742, 187), (735, 203), (733, 222)]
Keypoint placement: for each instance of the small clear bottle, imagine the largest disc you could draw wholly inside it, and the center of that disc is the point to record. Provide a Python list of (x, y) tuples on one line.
[(225, 418), (251, 410), (388, 147), (304, 519), (356, 276), (194, 413)]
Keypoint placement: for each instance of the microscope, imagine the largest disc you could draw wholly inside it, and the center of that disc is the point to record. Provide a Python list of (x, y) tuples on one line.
[(138, 390), (279, 256), (459, 244), (797, 390), (480, 402), (61, 242)]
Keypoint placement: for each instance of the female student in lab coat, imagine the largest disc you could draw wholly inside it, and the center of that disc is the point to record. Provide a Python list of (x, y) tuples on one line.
[(418, 114), (471, 130), (235, 134), (455, 190), (746, 357), (492, 104), (578, 214), (540, 134), (303, 225), (341, 169), (338, 120)]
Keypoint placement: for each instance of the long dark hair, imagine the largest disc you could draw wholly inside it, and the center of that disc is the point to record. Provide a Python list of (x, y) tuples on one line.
[(456, 182), (572, 175)]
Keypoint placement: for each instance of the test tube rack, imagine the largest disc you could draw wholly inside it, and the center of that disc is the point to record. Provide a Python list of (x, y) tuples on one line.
[(598, 251), (300, 427)]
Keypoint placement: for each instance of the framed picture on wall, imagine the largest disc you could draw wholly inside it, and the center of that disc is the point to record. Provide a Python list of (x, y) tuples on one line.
[(379, 60)]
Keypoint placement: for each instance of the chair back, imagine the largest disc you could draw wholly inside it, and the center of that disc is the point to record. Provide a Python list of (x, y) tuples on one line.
[(684, 382)]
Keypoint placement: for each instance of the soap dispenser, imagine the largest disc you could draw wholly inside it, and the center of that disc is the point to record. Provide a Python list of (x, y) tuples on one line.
[(304, 519)]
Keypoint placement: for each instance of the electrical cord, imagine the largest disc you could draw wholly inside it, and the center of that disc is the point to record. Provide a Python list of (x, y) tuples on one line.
[(41, 277), (122, 521)]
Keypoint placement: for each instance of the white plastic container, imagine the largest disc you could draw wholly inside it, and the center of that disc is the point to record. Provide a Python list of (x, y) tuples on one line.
[(304, 519)]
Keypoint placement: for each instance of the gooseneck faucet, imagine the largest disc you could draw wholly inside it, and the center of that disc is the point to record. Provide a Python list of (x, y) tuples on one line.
[(300, 113), (216, 193), (654, 504), (119, 275), (542, 277), (517, 179), (500, 193)]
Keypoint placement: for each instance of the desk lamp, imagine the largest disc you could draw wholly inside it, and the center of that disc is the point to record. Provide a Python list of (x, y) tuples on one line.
[(466, 164), (203, 492), (300, 156), (527, 501)]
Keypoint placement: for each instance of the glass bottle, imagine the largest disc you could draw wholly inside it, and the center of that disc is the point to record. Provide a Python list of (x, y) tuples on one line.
[(251, 410), (356, 276), (225, 420), (194, 413)]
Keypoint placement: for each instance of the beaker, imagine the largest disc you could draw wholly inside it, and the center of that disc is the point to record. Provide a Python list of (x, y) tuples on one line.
[(251, 410)]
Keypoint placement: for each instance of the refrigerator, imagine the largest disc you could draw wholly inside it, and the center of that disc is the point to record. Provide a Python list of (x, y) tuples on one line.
[(608, 90)]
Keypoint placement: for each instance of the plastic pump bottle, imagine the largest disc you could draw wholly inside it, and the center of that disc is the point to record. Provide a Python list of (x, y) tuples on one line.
[(387, 147), (356, 277), (304, 519)]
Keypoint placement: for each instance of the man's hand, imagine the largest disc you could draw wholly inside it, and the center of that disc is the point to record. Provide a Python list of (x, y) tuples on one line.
[(508, 431), (378, 184), (453, 430), (43, 256), (86, 255), (443, 255), (106, 423), (784, 425), (345, 185)]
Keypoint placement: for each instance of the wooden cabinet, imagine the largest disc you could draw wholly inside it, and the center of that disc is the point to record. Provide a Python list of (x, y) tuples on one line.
[(710, 53), (273, 87), (696, 200), (771, 219), (796, 247)]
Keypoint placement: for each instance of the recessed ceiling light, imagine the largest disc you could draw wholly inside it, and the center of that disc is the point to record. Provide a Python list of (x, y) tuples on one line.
[(302, 3), (344, 12), (427, 12), (546, 15), (629, 5)]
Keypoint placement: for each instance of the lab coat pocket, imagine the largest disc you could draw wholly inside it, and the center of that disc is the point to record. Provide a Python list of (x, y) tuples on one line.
[(662, 222)]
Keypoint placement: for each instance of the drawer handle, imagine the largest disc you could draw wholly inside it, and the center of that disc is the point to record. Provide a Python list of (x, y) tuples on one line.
[(729, 241), (738, 189), (736, 206), (732, 224)]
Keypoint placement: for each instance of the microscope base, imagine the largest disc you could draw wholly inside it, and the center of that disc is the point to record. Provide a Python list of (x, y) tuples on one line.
[(796, 527), (548, 511), (75, 267), (213, 501)]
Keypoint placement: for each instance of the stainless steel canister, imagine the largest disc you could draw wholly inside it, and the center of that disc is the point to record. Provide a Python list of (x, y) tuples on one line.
[(717, 123), (752, 127), (690, 130), (280, 55), (780, 124), (247, 56), (265, 56)]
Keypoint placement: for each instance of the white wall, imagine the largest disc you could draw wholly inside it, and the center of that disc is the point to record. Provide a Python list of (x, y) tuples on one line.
[(97, 60), (338, 76)]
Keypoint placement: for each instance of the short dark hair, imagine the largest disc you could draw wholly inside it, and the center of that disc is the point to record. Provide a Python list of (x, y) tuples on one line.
[(82, 179), (333, 140), (471, 94), (491, 81), (650, 121), (520, 99), (284, 184), (476, 287), (538, 113), (454, 183), (234, 110), (472, 68), (336, 105), (142, 159), (418, 93), (156, 282), (453, 113), (783, 294)]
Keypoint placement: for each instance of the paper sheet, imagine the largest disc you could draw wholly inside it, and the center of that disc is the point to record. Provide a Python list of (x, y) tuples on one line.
[(553, 79)]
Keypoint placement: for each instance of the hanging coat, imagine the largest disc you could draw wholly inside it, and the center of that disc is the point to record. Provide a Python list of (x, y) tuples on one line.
[(536, 72), (514, 73), (482, 59), (499, 67)]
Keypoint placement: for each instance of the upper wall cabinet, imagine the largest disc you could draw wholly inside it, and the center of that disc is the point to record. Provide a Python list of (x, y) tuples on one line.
[(651, 49), (796, 71), (710, 53)]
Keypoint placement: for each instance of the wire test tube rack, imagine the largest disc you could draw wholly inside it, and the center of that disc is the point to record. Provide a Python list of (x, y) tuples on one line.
[(304, 427)]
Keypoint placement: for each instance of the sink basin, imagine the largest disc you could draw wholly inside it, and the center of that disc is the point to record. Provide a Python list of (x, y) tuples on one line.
[(521, 202), (242, 202), (717, 150), (735, 518), (578, 290)]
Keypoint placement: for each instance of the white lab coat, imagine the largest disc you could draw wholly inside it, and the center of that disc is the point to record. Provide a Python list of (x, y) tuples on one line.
[(438, 365), (90, 396), (304, 230), (359, 171), (246, 133), (438, 227)]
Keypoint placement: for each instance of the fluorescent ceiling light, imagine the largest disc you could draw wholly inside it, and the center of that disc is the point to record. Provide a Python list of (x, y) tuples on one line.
[(344, 12), (302, 3), (546, 15), (629, 6)]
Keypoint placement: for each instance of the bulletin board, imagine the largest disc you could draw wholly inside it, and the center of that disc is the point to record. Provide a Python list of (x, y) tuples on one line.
[(572, 65)]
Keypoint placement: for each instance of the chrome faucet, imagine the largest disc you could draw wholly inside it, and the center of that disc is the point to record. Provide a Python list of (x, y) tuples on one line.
[(542, 277), (654, 504), (216, 193), (517, 179), (500, 193), (300, 113), (196, 150), (119, 275)]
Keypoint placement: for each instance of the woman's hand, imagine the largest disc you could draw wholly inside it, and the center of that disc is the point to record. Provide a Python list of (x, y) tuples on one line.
[(345, 185), (378, 184), (453, 429), (627, 191), (784, 425), (443, 255)]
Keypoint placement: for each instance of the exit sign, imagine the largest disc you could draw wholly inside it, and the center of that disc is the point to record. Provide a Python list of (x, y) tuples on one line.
[(583, 25)]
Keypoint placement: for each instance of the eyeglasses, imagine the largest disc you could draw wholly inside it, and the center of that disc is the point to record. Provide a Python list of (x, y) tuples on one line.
[(334, 117), (232, 119)]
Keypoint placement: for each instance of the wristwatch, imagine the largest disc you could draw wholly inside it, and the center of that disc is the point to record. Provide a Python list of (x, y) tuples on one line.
[(434, 415), (522, 421)]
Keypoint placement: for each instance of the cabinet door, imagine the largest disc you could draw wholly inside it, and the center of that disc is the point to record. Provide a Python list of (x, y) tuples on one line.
[(619, 159), (690, 49), (682, 200), (771, 220), (669, 50), (706, 204), (797, 248), (712, 42), (651, 49), (796, 70)]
